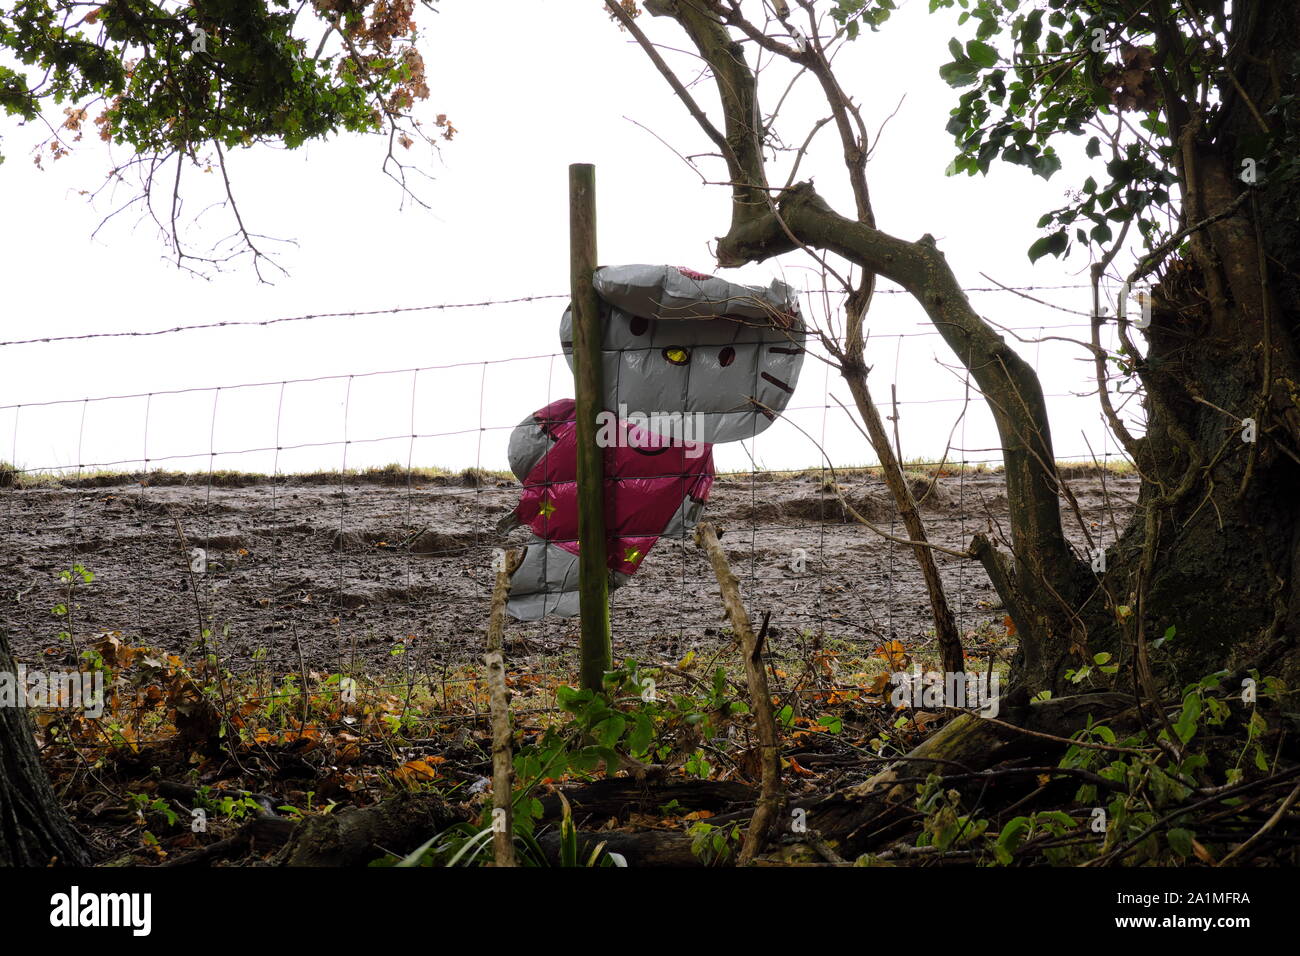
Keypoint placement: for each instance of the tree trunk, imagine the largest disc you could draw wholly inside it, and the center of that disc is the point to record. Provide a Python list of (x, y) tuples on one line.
[(1214, 547), (34, 829)]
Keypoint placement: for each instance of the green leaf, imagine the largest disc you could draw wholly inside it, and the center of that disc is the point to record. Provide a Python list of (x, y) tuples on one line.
[(957, 74), (1180, 841), (611, 758), (609, 730), (981, 53), (584, 761), (1032, 28), (1053, 245), (1189, 718), (1047, 164), (1013, 834), (568, 836), (638, 741), (831, 723)]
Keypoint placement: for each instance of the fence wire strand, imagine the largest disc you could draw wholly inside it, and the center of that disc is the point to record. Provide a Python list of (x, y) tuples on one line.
[(302, 624)]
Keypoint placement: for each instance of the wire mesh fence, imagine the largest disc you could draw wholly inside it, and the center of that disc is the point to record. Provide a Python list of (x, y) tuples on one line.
[(252, 523)]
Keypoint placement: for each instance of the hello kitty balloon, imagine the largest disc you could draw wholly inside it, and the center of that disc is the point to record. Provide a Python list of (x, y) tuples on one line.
[(690, 360)]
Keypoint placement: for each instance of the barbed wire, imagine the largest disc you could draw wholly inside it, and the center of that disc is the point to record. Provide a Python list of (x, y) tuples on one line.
[(340, 376), (292, 318), (237, 323)]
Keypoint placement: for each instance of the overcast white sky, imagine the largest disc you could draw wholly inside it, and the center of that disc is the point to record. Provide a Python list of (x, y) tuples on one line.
[(533, 85)]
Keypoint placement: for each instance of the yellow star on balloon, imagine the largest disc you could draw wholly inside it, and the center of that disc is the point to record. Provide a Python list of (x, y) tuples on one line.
[(631, 555), (547, 508)]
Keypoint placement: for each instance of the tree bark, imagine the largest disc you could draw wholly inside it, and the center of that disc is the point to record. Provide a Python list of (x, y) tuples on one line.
[(1216, 547), (34, 829), (357, 836)]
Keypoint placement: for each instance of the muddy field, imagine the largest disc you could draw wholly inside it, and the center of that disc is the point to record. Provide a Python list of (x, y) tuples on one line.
[(362, 575)]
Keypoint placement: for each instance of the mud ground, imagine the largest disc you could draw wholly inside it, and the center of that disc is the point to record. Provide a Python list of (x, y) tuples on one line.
[(362, 576)]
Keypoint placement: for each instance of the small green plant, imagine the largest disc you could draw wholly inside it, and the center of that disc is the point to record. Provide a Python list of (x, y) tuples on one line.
[(146, 806), (1138, 796), (626, 724), (232, 808), (467, 844), (71, 579), (698, 766), (1102, 661), (945, 825), (714, 845), (1020, 830)]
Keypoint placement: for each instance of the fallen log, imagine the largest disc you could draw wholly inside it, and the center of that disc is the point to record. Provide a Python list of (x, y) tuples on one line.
[(354, 836), (642, 848), (256, 836), (357, 836), (618, 796)]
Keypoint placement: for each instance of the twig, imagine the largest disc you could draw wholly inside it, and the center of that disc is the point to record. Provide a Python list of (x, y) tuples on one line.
[(503, 840), (1272, 822), (772, 796)]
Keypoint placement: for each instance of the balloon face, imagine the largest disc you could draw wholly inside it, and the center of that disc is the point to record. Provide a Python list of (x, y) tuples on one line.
[(704, 380)]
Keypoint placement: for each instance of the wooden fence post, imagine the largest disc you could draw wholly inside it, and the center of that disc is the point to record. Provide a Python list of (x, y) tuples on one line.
[(593, 574)]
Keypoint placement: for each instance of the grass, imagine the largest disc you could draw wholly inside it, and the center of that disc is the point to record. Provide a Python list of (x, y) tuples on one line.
[(393, 474)]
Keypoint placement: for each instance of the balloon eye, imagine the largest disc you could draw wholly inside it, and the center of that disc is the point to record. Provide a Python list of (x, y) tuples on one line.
[(726, 356), (677, 355)]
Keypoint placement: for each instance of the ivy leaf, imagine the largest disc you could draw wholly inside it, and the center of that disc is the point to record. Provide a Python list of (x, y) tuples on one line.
[(1189, 718)]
